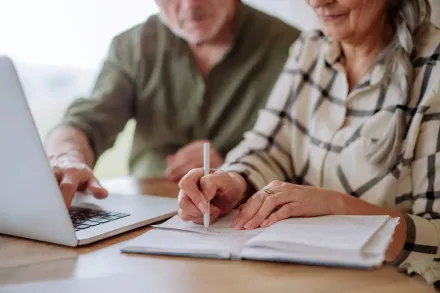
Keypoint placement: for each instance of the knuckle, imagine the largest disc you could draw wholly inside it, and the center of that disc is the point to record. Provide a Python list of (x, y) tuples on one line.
[(74, 168), (180, 195), (183, 202), (275, 217), (183, 184), (206, 181), (56, 169), (195, 171), (184, 216), (276, 183)]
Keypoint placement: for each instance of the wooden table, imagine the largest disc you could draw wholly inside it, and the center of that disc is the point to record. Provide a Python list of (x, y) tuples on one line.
[(102, 267)]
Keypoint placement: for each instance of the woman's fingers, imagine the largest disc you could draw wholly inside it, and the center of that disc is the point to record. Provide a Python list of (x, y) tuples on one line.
[(196, 191), (275, 195), (286, 211), (218, 188), (249, 209), (186, 216), (188, 207), (190, 186), (268, 206)]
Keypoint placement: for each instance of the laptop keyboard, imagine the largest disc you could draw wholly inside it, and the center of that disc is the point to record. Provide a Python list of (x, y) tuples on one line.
[(83, 218)]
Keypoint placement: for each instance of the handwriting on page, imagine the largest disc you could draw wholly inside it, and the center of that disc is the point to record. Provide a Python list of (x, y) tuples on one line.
[(222, 227)]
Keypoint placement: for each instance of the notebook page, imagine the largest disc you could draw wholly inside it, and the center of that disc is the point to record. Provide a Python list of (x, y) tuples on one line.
[(335, 231), (373, 254), (176, 237), (222, 226), (380, 241), (173, 242)]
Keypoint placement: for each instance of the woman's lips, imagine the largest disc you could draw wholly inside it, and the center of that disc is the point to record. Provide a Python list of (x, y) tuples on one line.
[(332, 17)]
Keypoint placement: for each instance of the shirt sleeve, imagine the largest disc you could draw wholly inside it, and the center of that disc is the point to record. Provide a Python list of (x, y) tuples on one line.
[(103, 114), (421, 252), (264, 154)]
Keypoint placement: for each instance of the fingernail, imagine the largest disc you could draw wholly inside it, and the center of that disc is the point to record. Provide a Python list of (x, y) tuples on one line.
[(248, 225), (239, 224), (264, 224)]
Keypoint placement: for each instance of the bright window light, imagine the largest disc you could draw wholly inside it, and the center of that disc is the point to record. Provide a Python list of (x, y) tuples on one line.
[(66, 32)]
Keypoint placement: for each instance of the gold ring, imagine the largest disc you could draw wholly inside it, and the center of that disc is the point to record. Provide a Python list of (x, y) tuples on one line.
[(269, 191)]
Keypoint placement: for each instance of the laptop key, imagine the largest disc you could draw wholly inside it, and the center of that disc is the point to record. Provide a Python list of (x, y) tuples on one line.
[(117, 216), (112, 214), (99, 220), (90, 223), (83, 218), (121, 215), (111, 218)]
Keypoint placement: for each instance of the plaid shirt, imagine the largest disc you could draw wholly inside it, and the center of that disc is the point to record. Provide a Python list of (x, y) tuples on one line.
[(314, 131)]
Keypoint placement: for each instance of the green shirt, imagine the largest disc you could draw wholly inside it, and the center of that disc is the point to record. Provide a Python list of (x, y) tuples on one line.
[(150, 76)]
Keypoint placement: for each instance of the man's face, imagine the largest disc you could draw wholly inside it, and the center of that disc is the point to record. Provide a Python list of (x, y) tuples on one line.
[(196, 21)]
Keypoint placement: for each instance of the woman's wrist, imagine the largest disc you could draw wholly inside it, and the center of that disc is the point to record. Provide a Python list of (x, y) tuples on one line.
[(348, 205), (245, 189)]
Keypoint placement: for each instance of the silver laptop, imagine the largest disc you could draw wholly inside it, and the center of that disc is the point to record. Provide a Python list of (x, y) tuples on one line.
[(31, 204)]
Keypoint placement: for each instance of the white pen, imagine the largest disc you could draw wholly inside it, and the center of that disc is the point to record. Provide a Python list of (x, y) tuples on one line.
[(206, 169)]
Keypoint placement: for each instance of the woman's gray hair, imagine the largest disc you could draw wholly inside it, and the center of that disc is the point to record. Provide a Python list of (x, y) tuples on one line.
[(408, 19)]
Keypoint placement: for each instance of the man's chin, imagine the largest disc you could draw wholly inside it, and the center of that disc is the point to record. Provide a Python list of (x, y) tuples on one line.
[(196, 36), (199, 38)]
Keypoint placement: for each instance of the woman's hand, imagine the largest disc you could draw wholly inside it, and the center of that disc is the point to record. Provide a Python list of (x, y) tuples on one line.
[(283, 200), (223, 190)]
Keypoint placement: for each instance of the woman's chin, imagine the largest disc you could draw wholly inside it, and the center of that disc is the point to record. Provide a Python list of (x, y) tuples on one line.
[(337, 33)]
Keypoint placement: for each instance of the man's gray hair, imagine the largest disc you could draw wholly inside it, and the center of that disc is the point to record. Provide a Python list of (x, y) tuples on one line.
[(409, 19)]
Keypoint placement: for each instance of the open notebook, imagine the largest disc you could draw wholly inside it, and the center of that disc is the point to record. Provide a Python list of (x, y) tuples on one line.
[(348, 241)]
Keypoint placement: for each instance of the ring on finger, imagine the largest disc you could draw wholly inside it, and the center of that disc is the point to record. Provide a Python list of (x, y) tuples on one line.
[(268, 191)]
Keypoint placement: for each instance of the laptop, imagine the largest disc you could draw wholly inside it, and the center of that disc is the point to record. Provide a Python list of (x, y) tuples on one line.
[(31, 203)]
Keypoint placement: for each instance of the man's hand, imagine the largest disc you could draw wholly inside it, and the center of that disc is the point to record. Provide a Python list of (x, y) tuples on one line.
[(73, 175), (190, 157)]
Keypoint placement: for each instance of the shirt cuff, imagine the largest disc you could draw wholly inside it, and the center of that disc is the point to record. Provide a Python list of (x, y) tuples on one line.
[(253, 177), (420, 250)]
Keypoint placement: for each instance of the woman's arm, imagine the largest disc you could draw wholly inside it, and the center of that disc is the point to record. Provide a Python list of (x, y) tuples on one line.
[(265, 153), (349, 205)]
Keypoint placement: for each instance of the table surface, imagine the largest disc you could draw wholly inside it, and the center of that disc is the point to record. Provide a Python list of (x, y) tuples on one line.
[(27, 264)]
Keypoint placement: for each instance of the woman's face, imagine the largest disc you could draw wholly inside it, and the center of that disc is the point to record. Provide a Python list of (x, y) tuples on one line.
[(350, 19)]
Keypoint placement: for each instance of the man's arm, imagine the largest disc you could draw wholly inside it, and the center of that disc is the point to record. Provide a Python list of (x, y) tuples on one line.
[(91, 125), (69, 141)]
